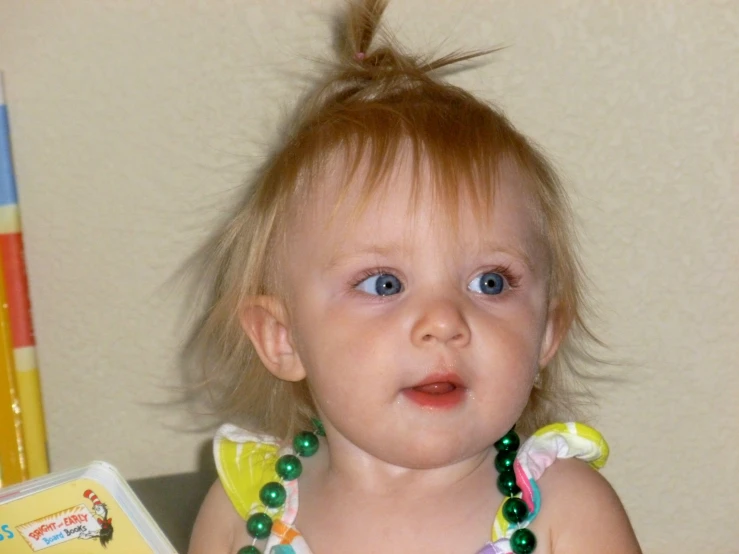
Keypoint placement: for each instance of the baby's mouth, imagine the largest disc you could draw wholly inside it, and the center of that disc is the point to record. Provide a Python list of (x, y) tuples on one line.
[(444, 390)]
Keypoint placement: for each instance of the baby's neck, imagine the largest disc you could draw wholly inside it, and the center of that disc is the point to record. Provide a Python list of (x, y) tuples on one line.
[(346, 496), (345, 466)]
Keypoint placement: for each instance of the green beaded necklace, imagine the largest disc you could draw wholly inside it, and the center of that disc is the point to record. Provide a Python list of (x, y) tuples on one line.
[(515, 511), (273, 494), (289, 467)]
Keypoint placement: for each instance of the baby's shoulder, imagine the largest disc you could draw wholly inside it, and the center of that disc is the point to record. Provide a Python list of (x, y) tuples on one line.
[(580, 508), (218, 525), (583, 512), (245, 462), (571, 487)]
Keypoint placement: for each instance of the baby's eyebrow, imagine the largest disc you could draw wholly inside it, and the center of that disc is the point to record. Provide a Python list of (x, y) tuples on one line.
[(343, 257), (487, 248), (521, 254)]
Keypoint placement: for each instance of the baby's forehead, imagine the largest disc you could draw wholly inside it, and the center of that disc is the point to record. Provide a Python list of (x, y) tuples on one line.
[(346, 188), (395, 210)]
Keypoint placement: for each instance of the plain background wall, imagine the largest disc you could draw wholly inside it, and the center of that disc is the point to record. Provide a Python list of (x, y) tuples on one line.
[(133, 124)]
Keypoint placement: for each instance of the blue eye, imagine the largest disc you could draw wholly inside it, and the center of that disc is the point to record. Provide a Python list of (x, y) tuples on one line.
[(488, 283), (382, 284)]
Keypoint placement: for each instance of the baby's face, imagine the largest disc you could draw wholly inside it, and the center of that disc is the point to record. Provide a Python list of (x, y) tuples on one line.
[(420, 342)]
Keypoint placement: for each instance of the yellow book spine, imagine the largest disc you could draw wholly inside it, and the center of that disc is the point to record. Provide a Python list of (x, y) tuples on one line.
[(32, 411)]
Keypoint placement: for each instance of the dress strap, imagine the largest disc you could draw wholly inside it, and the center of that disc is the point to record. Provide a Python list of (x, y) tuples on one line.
[(536, 454), (245, 463)]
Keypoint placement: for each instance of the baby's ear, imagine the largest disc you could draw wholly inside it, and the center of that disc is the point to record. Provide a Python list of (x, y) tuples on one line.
[(554, 333), (265, 321)]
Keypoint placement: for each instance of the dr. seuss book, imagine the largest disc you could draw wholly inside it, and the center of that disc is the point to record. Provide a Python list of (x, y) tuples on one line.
[(90, 510)]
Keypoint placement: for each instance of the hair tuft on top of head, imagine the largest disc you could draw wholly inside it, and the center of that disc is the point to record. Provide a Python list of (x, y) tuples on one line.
[(361, 59), (362, 23)]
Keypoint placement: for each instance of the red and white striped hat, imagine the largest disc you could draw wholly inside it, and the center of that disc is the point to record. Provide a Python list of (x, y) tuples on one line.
[(92, 497)]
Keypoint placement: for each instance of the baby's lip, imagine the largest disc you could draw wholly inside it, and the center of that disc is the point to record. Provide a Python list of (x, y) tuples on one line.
[(439, 383)]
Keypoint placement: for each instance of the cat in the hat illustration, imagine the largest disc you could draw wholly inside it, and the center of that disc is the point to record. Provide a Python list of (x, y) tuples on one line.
[(100, 510)]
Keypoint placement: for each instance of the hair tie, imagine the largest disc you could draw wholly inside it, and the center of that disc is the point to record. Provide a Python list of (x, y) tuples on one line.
[(359, 56)]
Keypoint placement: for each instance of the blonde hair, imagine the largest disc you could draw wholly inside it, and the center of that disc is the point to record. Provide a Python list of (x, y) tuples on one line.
[(373, 103)]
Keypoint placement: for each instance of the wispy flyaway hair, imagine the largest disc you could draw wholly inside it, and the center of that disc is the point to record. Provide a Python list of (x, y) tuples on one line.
[(375, 103)]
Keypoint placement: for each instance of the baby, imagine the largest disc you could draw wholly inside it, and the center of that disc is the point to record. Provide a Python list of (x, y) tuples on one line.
[(397, 292)]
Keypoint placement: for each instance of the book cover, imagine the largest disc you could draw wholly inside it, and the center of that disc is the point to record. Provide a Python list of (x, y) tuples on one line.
[(90, 510), (17, 298)]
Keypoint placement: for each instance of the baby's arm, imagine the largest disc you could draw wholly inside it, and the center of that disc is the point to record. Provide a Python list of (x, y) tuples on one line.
[(214, 527), (586, 515)]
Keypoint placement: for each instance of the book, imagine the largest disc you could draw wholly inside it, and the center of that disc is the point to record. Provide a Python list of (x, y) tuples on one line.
[(89, 510), (27, 379), (12, 458)]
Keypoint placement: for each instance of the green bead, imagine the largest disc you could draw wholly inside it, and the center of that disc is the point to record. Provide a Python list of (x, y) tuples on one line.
[(523, 541), (289, 467), (507, 483), (318, 424), (510, 441), (305, 443), (273, 495), (259, 525), (504, 460), (249, 550), (515, 510)]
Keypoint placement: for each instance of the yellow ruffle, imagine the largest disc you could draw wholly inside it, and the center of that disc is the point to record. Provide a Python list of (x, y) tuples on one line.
[(245, 463), (586, 443)]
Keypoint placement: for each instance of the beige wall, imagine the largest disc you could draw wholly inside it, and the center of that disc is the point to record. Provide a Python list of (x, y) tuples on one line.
[(133, 122)]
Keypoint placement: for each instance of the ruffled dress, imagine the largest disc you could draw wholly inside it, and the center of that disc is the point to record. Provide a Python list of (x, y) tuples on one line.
[(246, 462)]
